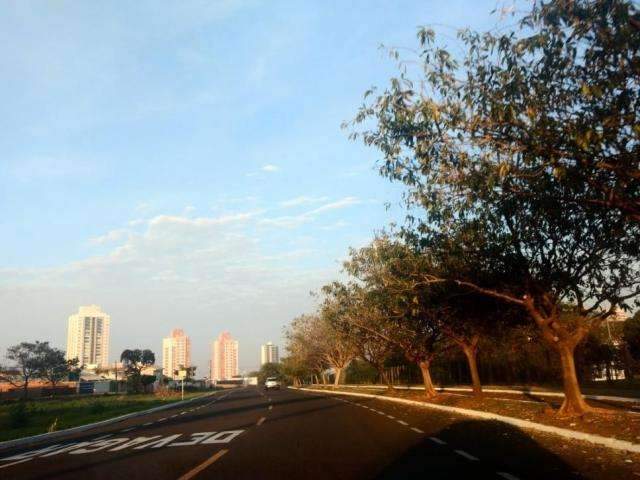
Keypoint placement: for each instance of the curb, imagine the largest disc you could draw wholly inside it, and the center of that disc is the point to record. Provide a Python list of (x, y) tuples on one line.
[(498, 390), (608, 442), (35, 439)]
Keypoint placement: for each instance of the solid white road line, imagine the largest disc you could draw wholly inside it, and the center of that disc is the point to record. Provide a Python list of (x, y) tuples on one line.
[(401, 422), (508, 476), (417, 430), (261, 421), (15, 463), (466, 455), (203, 465), (437, 440)]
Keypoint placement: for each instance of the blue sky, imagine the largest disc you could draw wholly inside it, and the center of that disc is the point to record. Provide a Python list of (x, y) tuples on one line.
[(181, 164)]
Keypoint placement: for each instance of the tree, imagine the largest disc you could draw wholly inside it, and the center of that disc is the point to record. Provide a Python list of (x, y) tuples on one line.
[(301, 336), (55, 367), (498, 152), (28, 361), (337, 346), (269, 370), (134, 362), (631, 335), (395, 304), (295, 370)]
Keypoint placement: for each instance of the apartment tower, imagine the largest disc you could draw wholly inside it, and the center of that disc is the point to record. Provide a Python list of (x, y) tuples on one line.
[(269, 354), (224, 357), (88, 337), (176, 353)]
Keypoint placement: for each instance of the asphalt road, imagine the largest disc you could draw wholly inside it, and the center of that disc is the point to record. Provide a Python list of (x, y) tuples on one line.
[(248, 433)]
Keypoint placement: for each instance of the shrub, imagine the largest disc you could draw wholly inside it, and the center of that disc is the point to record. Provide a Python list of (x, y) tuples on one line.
[(97, 407), (18, 415)]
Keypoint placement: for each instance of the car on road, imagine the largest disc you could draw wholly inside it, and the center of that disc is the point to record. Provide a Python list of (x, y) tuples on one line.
[(272, 382)]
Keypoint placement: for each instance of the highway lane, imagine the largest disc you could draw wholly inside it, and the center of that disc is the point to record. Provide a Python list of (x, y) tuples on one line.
[(288, 435)]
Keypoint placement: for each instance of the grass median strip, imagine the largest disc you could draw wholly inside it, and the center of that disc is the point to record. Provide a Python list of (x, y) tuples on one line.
[(24, 419)]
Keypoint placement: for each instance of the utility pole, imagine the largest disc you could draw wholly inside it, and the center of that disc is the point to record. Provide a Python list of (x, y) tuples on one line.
[(182, 388)]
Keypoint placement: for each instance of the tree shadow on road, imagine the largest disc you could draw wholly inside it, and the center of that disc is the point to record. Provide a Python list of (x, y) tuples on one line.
[(498, 447)]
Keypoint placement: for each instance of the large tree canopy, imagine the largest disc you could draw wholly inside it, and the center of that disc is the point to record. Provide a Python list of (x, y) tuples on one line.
[(522, 156)]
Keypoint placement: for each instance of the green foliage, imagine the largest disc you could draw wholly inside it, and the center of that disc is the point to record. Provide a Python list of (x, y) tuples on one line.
[(134, 361), (18, 415), (97, 407), (521, 162), (361, 372), (631, 335), (270, 370)]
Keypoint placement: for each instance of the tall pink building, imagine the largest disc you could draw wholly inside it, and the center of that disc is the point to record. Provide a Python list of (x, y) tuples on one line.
[(176, 353), (224, 357)]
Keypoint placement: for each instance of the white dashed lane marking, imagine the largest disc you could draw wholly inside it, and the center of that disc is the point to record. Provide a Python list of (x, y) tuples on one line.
[(508, 476), (462, 453), (466, 455), (14, 463), (147, 424), (261, 421), (127, 429), (270, 407)]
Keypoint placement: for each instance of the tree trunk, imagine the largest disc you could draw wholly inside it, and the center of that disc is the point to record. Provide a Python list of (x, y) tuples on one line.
[(429, 389), (338, 376), (471, 352), (574, 403), (628, 363), (25, 390)]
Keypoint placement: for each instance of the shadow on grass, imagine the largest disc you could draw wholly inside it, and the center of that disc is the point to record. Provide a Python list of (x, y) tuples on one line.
[(497, 446)]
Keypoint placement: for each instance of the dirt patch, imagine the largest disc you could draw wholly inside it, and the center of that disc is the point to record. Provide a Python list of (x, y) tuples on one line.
[(608, 422)]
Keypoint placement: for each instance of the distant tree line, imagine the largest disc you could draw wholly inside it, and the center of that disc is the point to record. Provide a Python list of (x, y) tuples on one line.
[(36, 360)]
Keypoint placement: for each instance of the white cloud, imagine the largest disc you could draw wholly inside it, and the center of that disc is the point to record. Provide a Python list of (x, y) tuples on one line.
[(291, 221), (302, 200), (342, 203), (109, 237), (270, 168)]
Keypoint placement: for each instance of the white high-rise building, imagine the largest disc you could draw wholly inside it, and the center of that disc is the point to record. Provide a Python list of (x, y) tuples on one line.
[(269, 354), (176, 353), (224, 357), (88, 337)]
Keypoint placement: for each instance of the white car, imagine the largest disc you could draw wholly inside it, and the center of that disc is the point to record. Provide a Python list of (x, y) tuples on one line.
[(272, 382)]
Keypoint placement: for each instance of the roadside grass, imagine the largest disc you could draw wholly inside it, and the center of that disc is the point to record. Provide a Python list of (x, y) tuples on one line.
[(23, 419)]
